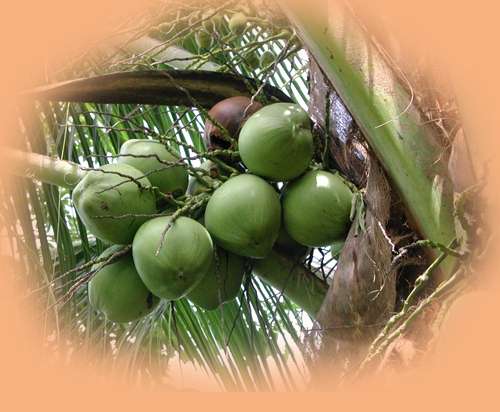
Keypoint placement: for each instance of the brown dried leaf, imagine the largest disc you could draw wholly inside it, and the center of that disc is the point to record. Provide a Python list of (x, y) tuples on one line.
[(460, 165), (363, 291)]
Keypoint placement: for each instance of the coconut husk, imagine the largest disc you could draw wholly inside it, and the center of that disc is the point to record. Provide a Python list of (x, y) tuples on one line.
[(231, 113), (460, 167), (362, 294)]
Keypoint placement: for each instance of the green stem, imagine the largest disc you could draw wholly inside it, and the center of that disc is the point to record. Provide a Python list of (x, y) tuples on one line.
[(291, 278), (407, 148), (43, 168)]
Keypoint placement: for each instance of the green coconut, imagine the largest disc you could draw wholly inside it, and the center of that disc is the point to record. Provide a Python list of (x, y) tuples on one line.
[(212, 22), (290, 278), (295, 41), (114, 201), (169, 179), (336, 247), (276, 142), (266, 59), (203, 39), (218, 22), (207, 22), (194, 18), (251, 59), (290, 37), (238, 23), (184, 257), (155, 32), (195, 186), (117, 291), (287, 245), (222, 282), (285, 34), (316, 208), (243, 216)]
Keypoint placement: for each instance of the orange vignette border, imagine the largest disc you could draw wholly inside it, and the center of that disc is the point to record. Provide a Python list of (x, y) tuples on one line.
[(461, 38)]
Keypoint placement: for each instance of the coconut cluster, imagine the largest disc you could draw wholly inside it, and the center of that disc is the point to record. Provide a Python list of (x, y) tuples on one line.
[(232, 214), (201, 31)]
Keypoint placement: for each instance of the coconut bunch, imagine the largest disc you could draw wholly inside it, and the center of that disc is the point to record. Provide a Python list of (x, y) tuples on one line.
[(202, 26), (166, 254), (206, 21), (248, 215), (158, 250), (196, 237)]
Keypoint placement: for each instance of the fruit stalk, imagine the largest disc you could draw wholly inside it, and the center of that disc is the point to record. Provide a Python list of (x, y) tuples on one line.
[(46, 169), (406, 146)]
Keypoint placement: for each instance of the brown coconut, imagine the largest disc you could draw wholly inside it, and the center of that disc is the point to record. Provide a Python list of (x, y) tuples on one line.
[(231, 114)]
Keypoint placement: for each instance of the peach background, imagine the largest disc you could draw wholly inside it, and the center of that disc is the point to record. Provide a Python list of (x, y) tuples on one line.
[(460, 37)]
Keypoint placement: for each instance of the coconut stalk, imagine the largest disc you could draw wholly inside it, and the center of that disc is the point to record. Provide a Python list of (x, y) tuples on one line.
[(46, 169), (382, 105)]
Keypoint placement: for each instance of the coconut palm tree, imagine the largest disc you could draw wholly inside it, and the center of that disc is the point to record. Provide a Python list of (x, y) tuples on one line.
[(410, 220)]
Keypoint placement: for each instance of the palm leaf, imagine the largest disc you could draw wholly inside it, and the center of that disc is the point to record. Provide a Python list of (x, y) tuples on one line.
[(172, 88)]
